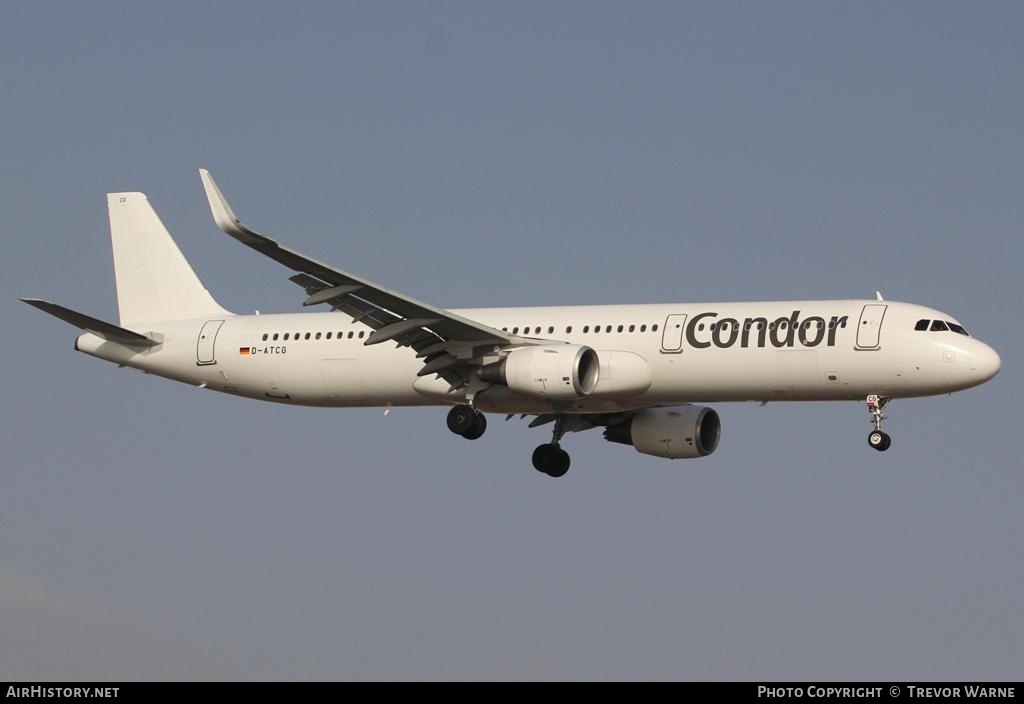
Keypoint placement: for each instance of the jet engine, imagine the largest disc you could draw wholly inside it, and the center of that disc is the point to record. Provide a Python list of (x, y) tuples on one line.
[(551, 372), (679, 432)]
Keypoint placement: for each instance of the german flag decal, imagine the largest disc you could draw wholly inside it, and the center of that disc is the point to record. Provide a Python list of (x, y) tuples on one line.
[(244, 350)]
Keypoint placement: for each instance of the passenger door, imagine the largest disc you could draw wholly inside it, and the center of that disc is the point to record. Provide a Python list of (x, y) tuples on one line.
[(870, 326)]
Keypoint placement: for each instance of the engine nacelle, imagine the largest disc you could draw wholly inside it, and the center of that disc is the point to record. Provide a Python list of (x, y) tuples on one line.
[(679, 432), (623, 375), (552, 372)]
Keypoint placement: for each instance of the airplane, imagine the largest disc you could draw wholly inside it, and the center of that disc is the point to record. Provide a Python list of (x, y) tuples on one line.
[(641, 372)]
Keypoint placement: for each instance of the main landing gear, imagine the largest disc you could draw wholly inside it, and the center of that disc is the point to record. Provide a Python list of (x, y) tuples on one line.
[(877, 439), (550, 458), (464, 421)]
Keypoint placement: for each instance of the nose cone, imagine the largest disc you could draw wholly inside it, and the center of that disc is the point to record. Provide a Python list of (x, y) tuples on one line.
[(985, 361)]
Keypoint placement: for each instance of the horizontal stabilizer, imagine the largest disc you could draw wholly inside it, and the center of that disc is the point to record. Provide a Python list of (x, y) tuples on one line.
[(105, 330)]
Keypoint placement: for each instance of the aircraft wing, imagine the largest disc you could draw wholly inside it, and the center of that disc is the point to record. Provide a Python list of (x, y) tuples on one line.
[(433, 332)]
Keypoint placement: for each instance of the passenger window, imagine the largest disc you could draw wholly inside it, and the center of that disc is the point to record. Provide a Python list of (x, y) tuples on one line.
[(286, 336), (275, 337), (620, 328), (938, 326), (361, 334), (318, 336), (608, 328), (328, 334), (551, 329), (632, 328), (921, 325), (515, 331), (568, 329), (643, 328), (654, 328), (265, 337), (350, 334), (597, 328)]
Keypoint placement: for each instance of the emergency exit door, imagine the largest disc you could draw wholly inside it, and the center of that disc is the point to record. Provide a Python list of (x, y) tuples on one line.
[(672, 335), (205, 346)]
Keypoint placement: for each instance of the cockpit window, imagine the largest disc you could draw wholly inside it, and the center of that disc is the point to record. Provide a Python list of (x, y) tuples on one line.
[(938, 325), (959, 329), (922, 325)]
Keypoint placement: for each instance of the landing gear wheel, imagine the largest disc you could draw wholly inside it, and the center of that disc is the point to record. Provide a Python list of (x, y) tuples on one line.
[(552, 460), (562, 464), (478, 427), (461, 419), (542, 458), (879, 440)]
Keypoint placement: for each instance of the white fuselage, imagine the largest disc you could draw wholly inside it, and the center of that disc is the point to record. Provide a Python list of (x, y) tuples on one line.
[(650, 355)]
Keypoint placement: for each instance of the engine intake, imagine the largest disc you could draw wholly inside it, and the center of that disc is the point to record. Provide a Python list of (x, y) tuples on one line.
[(552, 372), (680, 432)]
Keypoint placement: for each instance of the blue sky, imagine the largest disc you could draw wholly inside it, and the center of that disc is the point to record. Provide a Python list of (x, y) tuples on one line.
[(512, 154)]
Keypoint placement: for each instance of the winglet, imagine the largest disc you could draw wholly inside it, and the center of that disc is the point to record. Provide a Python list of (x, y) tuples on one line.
[(223, 215)]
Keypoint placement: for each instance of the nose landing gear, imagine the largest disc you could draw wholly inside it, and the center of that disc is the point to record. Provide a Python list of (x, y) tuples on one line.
[(877, 439)]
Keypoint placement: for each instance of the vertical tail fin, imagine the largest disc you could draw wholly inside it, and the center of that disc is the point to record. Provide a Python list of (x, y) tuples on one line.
[(154, 280)]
